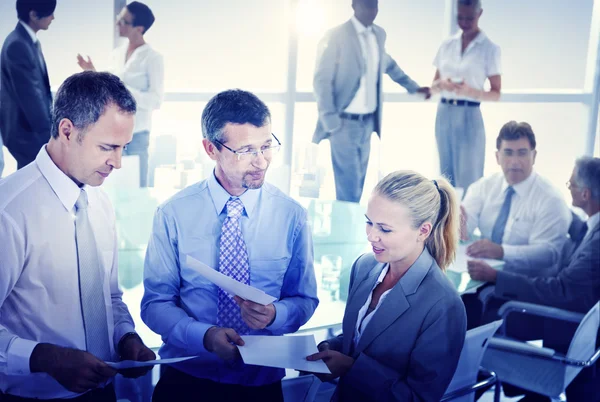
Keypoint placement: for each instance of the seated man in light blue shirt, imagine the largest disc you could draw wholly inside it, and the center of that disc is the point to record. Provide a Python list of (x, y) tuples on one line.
[(244, 228)]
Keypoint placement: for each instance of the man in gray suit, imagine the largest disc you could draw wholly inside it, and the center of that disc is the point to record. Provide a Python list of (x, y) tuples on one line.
[(576, 285), (347, 87)]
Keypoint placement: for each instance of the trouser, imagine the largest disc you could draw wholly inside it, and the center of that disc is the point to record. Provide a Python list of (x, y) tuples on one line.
[(350, 149), (175, 385), (139, 146), (106, 394), (460, 136)]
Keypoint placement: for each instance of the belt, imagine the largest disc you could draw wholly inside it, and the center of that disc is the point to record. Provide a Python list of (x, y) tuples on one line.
[(459, 102), (352, 116)]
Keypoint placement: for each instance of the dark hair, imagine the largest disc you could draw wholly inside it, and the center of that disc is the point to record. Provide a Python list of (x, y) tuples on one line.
[(470, 3), (587, 174), (513, 131), (43, 8), (232, 106), (142, 15), (83, 98)]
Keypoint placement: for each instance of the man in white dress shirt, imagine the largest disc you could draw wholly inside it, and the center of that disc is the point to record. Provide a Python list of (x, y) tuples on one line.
[(522, 218), (142, 70), (61, 313), (530, 234), (347, 86)]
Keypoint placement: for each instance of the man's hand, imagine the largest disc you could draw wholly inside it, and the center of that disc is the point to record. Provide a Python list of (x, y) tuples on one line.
[(464, 234), (76, 370), (222, 341), (426, 91), (485, 249), (338, 363), (132, 348), (481, 271), (86, 65), (255, 315)]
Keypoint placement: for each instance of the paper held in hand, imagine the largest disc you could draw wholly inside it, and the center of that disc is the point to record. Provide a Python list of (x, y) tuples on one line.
[(282, 351), (127, 364), (230, 285)]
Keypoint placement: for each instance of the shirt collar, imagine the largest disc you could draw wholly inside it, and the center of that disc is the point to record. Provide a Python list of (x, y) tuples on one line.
[(29, 31), (481, 36), (522, 188), (63, 186), (220, 196), (360, 28), (593, 221)]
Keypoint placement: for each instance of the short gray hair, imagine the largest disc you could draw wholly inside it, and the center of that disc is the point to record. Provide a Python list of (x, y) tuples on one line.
[(587, 174), (470, 3)]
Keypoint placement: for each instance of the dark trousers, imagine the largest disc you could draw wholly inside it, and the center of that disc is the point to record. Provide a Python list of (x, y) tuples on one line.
[(175, 385), (106, 394), (139, 146)]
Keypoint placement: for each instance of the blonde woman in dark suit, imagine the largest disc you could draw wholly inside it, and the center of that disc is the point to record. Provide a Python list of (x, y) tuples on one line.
[(404, 325)]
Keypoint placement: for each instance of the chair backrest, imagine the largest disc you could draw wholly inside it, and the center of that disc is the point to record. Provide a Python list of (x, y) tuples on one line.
[(473, 349), (583, 344), (303, 388)]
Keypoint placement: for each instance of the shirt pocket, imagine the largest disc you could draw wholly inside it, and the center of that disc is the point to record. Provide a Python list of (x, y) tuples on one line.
[(268, 275), (520, 231)]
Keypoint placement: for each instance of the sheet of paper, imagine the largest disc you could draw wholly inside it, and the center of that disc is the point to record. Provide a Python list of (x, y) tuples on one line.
[(125, 364), (230, 285), (460, 264), (282, 351)]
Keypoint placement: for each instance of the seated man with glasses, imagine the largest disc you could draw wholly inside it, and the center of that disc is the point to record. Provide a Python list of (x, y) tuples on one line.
[(244, 228), (523, 219)]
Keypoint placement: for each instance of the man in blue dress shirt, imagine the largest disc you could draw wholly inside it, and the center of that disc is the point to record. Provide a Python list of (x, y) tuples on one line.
[(245, 228)]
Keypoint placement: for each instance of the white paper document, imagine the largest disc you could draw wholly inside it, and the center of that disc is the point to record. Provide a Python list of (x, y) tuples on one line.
[(230, 285), (126, 364), (282, 351), (460, 264)]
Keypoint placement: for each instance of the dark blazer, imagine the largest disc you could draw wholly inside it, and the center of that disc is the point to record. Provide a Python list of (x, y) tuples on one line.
[(25, 97), (576, 286), (337, 76), (410, 349)]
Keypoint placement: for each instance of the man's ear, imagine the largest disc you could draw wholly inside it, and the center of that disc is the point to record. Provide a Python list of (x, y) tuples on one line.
[(66, 130), (210, 148)]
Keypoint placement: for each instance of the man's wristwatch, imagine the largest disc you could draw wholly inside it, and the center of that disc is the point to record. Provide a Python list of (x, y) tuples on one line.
[(122, 342)]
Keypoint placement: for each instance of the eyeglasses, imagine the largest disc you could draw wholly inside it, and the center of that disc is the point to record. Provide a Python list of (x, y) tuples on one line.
[(123, 21), (267, 152)]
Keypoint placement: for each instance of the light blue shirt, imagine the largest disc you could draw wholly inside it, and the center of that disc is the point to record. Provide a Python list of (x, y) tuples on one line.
[(181, 305)]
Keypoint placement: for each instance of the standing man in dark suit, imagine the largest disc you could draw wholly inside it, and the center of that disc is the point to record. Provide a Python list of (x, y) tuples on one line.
[(576, 285), (347, 87), (25, 97)]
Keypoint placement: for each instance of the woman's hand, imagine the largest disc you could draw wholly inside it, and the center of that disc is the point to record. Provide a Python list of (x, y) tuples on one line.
[(338, 363)]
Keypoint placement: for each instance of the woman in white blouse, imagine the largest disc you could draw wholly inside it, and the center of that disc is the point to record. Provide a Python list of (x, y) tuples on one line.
[(464, 62), (404, 324), (141, 69)]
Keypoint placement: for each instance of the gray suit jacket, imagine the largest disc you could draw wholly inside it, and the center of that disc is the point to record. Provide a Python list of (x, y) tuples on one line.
[(576, 286), (337, 76), (411, 347)]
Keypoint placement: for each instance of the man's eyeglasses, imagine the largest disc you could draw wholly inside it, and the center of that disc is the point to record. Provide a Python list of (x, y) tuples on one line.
[(267, 152)]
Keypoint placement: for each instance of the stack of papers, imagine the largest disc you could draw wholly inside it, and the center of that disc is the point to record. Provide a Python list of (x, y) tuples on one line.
[(229, 284), (282, 351)]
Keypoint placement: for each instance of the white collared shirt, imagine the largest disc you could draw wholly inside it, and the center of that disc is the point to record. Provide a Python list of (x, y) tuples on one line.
[(30, 31), (39, 285), (537, 223), (363, 320), (592, 222), (143, 74), (480, 60), (359, 102)]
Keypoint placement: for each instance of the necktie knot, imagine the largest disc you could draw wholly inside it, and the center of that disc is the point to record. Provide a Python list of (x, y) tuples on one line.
[(510, 191), (234, 208), (82, 201)]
